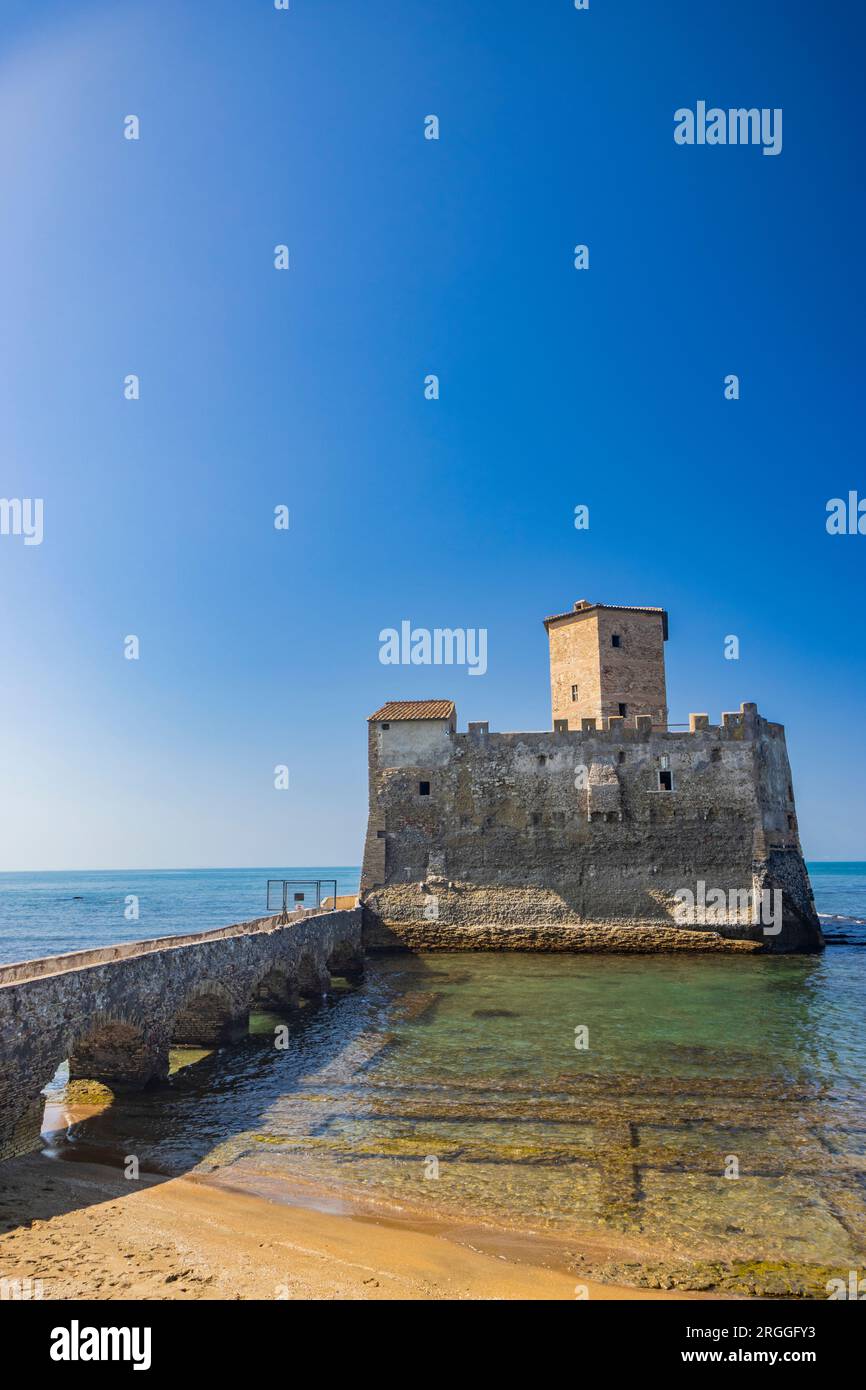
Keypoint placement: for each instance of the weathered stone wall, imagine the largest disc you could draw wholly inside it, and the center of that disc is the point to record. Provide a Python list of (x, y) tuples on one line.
[(114, 1013), (575, 661), (526, 837), (582, 655), (634, 672)]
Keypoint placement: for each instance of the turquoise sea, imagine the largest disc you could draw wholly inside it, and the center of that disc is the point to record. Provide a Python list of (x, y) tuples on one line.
[(45, 914), (450, 1088)]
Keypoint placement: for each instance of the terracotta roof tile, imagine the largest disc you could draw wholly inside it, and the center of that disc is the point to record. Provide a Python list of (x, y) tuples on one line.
[(415, 709), (616, 607)]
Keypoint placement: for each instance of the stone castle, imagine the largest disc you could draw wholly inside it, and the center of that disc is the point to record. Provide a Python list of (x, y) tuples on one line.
[(615, 831)]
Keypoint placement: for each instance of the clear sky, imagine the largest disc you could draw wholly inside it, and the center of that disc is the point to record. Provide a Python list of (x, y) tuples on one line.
[(306, 388)]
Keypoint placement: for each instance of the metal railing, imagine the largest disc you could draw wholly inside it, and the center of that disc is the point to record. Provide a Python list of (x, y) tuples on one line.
[(290, 894)]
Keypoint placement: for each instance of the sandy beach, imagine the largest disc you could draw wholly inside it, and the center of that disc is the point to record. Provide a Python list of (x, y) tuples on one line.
[(81, 1230)]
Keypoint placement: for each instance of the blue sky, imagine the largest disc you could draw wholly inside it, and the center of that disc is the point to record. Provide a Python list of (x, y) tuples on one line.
[(305, 388)]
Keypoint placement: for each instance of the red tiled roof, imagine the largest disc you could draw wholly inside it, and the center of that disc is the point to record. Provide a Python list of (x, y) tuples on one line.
[(617, 608), (415, 709)]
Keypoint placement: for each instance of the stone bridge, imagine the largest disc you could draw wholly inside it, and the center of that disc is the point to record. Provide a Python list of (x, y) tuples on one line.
[(115, 1012)]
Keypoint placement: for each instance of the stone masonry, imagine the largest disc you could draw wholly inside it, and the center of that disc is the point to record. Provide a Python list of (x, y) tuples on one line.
[(114, 1013), (585, 838), (607, 662)]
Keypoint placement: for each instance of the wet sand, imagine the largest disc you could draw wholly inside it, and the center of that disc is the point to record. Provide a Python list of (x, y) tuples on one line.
[(87, 1232)]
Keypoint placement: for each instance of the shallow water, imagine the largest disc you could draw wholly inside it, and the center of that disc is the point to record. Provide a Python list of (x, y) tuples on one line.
[(452, 1084)]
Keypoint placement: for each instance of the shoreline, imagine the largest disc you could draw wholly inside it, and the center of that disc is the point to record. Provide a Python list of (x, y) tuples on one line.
[(88, 1233)]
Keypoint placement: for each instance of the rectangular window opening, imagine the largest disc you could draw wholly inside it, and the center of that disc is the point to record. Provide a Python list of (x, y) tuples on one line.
[(574, 692), (666, 780), (623, 709), (423, 788), (616, 640)]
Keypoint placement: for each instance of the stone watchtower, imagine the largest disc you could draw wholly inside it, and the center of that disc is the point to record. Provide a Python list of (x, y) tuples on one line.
[(607, 662)]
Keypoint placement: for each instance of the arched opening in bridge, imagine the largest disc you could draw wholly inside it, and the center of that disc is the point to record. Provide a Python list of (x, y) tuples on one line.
[(111, 1056), (115, 1052), (346, 967), (65, 1103), (272, 998), (209, 1017), (313, 978), (274, 991)]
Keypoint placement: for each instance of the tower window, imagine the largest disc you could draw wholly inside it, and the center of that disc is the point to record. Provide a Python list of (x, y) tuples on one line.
[(616, 640), (386, 726), (574, 692), (623, 709), (423, 788), (666, 780)]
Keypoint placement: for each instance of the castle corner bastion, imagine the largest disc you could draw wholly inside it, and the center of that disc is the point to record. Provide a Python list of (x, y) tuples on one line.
[(615, 831)]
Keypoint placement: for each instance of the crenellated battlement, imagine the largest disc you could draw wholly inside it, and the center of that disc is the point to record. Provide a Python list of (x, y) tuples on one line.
[(740, 723)]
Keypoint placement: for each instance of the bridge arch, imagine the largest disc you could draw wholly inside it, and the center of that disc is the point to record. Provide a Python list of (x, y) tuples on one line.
[(346, 960), (275, 989), (209, 1016), (313, 976), (121, 1052)]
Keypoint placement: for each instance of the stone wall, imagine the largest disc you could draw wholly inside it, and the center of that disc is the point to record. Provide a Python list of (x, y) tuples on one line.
[(584, 661), (114, 1013), (565, 840)]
